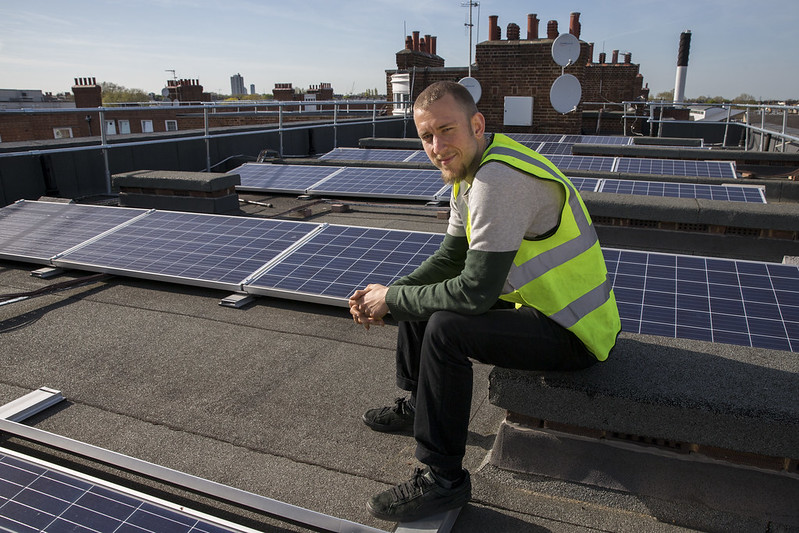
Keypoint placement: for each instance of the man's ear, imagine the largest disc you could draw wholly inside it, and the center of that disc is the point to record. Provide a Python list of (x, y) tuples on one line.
[(478, 124)]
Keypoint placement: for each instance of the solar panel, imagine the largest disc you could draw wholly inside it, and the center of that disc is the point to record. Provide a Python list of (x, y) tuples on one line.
[(598, 139), (419, 157), (338, 260), (412, 184), (676, 167), (555, 148), (719, 300), (582, 162), (40, 496), (535, 138), (197, 249), (368, 154), (585, 184), (266, 177), (37, 231), (730, 193)]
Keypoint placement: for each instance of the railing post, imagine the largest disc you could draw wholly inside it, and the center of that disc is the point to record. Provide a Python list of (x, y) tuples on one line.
[(762, 127), (280, 127), (104, 148), (335, 126), (726, 126), (374, 119), (207, 140), (784, 123)]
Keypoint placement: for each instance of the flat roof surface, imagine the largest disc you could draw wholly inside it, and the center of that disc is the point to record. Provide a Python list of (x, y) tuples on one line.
[(267, 398)]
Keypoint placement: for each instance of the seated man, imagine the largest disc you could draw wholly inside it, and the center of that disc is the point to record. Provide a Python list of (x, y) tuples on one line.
[(519, 281)]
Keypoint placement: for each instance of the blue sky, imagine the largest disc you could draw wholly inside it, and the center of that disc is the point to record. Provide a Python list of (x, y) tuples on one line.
[(737, 46)]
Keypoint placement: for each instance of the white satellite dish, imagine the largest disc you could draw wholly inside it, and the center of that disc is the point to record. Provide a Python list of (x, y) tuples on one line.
[(164, 92), (565, 93), (565, 49), (473, 86)]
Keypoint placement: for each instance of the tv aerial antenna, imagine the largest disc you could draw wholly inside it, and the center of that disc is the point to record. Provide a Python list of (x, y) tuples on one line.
[(471, 4)]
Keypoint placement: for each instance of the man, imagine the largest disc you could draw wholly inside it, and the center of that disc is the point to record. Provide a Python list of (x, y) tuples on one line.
[(519, 281)]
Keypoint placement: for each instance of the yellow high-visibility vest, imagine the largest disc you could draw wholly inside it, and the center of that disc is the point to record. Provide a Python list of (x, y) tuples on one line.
[(563, 275)]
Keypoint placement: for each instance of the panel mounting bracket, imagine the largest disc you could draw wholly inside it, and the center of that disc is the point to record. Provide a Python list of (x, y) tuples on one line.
[(47, 272), (237, 300), (30, 404)]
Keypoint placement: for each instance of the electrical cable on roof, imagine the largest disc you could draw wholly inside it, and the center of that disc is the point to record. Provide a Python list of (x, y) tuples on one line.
[(56, 287)]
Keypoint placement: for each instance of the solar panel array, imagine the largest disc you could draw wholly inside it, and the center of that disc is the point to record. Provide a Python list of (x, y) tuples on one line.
[(368, 154), (402, 183), (37, 496), (721, 300), (728, 193)]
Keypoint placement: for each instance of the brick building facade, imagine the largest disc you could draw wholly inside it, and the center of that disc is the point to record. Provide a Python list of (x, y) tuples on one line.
[(516, 67)]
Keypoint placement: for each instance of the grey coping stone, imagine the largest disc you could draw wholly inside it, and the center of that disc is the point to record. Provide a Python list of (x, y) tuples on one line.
[(223, 204), (731, 397), (176, 180)]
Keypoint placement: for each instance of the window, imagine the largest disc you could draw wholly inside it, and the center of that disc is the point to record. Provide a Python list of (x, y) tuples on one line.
[(171, 125), (62, 133), (124, 126), (110, 127), (146, 126)]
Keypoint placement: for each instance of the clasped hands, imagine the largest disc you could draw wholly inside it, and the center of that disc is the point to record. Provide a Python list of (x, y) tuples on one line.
[(368, 306)]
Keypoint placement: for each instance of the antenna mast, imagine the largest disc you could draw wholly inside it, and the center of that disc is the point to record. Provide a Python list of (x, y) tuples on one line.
[(469, 24)]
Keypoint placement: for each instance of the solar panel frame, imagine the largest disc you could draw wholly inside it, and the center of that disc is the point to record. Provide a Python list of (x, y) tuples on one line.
[(369, 182), (336, 261), (582, 162), (703, 298), (288, 179), (214, 251), (677, 167), (535, 138), (724, 192), (369, 154), (36, 232), (41, 496), (554, 148)]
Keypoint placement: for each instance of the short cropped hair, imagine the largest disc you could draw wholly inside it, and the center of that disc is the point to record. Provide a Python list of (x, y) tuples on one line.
[(440, 89)]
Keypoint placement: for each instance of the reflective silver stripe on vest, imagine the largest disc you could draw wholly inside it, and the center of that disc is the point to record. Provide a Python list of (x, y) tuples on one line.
[(571, 314), (543, 262)]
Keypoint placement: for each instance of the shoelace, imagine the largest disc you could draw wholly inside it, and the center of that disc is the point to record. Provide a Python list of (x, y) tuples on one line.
[(399, 406), (417, 484)]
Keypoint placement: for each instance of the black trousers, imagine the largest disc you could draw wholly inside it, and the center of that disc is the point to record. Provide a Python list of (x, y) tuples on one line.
[(433, 362)]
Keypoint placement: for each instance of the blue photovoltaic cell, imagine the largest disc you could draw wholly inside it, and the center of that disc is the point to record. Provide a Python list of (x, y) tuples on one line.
[(37, 231), (676, 167), (199, 249), (729, 193), (582, 162), (341, 259), (267, 177), (39, 497), (555, 148), (420, 184), (419, 157), (368, 154), (719, 300)]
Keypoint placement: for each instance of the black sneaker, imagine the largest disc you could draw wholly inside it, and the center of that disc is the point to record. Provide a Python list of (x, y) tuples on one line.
[(423, 495), (398, 417)]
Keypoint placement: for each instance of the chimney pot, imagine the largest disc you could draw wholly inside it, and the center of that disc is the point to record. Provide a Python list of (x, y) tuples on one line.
[(493, 28), (552, 29), (615, 57), (416, 41), (532, 27), (513, 32), (433, 44), (574, 24), (427, 44), (602, 57), (628, 58), (590, 53)]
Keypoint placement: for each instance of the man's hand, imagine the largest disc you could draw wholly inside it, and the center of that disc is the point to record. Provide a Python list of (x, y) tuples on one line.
[(368, 306)]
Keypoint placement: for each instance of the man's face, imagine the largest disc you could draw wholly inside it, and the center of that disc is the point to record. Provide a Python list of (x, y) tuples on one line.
[(453, 142)]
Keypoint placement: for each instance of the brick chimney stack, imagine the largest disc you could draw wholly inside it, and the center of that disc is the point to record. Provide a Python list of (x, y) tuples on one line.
[(532, 27), (87, 93), (513, 32)]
